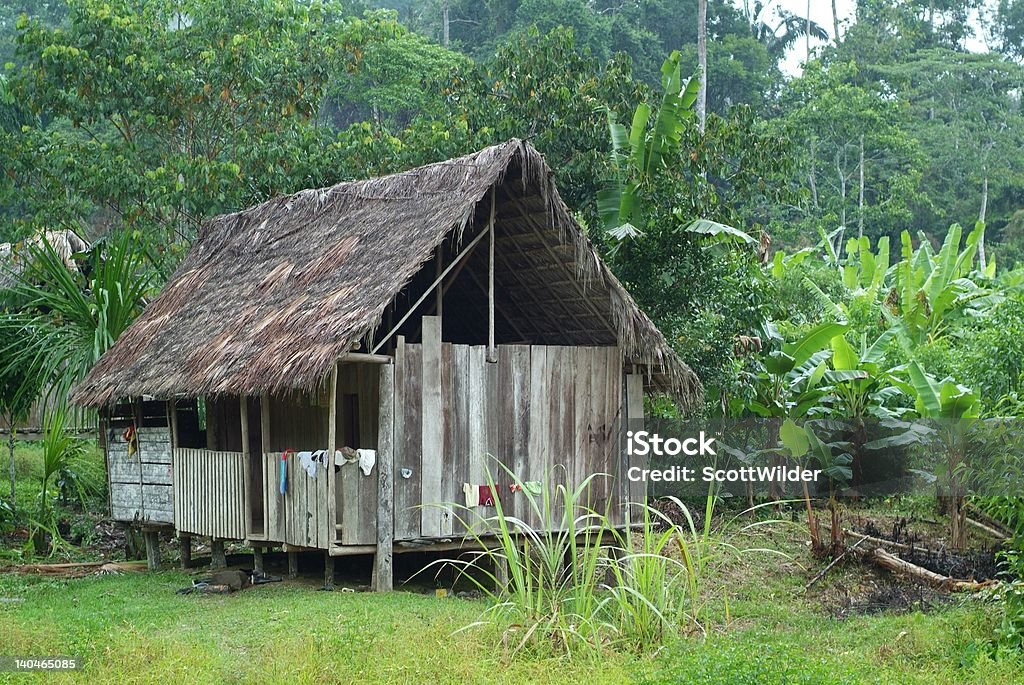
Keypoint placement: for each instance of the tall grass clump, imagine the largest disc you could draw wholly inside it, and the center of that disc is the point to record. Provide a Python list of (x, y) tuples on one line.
[(564, 577)]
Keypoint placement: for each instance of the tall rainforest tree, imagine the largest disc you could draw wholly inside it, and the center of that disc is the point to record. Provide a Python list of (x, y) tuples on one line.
[(156, 115)]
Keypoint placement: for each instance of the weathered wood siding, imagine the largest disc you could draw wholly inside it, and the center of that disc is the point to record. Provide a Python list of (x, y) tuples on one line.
[(357, 414), (546, 413), (299, 517), (141, 484), (209, 493)]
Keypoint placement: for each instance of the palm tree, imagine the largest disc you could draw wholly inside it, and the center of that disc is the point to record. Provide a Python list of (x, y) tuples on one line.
[(779, 28), (59, 320)]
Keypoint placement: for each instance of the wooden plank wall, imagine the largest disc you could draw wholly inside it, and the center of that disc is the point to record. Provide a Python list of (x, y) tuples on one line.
[(209, 493), (356, 493), (140, 485), (299, 422), (547, 413), (297, 517)]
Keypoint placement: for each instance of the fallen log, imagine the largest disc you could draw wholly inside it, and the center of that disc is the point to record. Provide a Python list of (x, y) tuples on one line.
[(889, 543), (893, 563), (987, 519), (79, 569), (998, 535)]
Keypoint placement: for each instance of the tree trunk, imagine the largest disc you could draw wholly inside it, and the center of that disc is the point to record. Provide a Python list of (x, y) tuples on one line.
[(807, 32), (444, 21), (812, 176), (981, 218), (835, 24), (10, 446), (842, 187), (860, 198), (702, 62)]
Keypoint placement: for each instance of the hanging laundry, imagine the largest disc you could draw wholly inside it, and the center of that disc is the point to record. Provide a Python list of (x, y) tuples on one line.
[(132, 438), (515, 487), (307, 463), (283, 474), (470, 494), (488, 496), (533, 487), (367, 459)]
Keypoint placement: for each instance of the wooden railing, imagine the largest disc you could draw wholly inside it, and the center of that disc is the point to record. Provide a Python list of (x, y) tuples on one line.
[(209, 493), (300, 516)]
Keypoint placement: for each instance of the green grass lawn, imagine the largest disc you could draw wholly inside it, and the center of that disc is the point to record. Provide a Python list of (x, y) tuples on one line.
[(134, 628), (759, 626)]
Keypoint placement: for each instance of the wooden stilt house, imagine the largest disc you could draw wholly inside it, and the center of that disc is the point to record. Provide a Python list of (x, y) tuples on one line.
[(410, 327)]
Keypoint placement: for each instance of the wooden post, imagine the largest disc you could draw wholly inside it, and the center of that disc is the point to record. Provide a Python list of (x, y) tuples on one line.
[(328, 570), (172, 415), (185, 542), (634, 491), (500, 572), (270, 486), (329, 530), (432, 438), (243, 412), (257, 558), (218, 559), (293, 564), (152, 539), (492, 352), (211, 424), (383, 572), (439, 303)]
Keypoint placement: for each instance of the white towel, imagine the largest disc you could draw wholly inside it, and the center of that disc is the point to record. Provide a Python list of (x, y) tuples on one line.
[(306, 460), (367, 459)]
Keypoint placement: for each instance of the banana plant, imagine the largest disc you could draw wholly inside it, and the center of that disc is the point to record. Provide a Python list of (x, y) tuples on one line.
[(860, 383), (930, 290), (788, 383), (639, 152), (863, 272), (954, 406), (833, 459)]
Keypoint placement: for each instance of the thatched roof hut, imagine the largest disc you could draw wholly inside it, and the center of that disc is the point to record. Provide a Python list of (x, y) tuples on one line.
[(269, 298)]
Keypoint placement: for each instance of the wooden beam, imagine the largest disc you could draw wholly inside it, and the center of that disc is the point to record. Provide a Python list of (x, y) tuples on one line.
[(243, 412), (383, 571), (569, 314), (327, 530), (511, 322), (364, 358), (604, 318), (462, 255), (492, 351)]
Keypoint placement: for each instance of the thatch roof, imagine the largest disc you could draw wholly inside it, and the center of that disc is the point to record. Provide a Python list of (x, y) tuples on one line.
[(270, 297)]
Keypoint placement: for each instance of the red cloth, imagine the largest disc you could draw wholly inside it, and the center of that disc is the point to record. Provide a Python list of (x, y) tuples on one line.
[(488, 496)]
